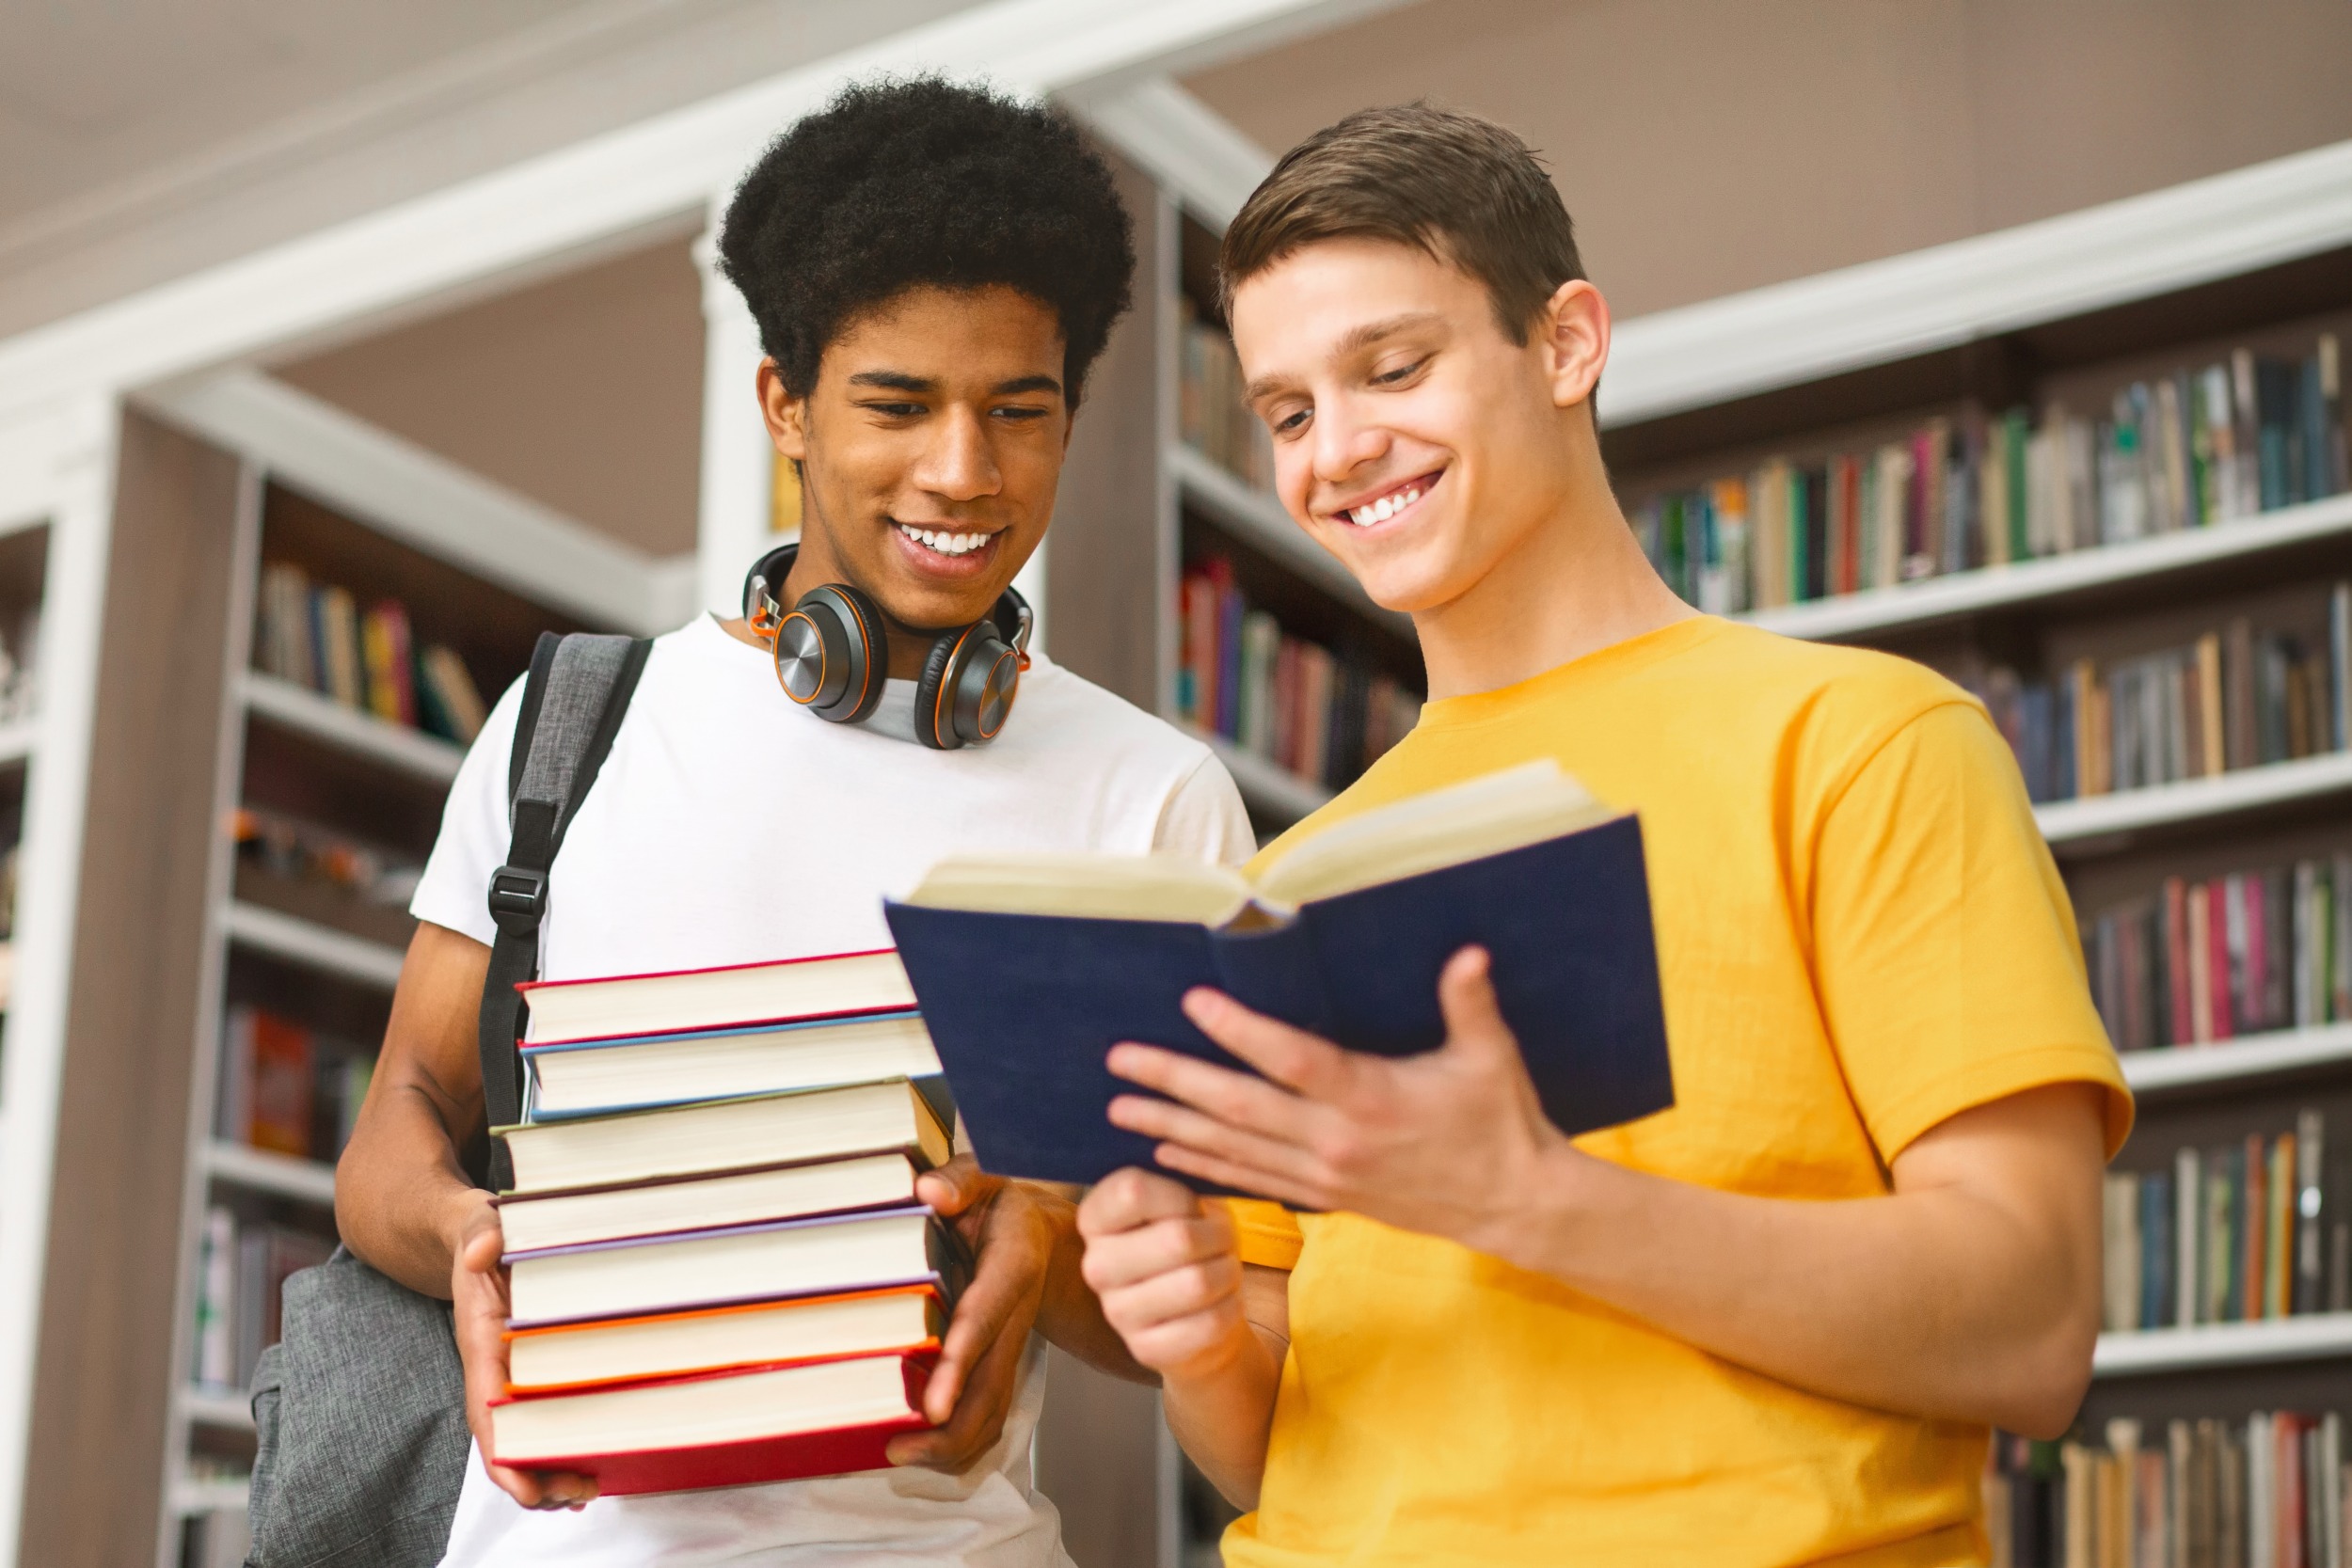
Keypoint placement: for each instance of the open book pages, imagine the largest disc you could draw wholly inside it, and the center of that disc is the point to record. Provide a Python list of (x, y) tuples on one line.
[(1464, 822)]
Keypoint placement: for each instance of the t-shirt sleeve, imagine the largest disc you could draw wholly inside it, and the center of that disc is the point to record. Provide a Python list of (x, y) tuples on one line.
[(1267, 1233), (1203, 818), (1949, 965), (454, 889)]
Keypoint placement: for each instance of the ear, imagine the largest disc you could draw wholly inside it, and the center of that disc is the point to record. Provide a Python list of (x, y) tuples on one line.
[(1573, 328), (787, 416)]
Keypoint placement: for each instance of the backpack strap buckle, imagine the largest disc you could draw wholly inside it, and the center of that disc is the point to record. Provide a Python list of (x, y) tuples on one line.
[(518, 899)]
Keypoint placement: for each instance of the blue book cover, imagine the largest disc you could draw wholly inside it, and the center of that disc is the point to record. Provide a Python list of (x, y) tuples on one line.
[(1022, 1007)]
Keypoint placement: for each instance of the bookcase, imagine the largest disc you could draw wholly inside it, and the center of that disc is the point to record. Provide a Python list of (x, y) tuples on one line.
[(321, 806), (2129, 530)]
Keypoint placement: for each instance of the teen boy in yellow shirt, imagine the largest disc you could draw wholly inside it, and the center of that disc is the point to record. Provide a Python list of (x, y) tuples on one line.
[(1771, 1325)]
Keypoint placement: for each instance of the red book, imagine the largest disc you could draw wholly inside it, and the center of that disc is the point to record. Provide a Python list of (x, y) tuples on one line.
[(2254, 1228), (2176, 970), (2218, 958), (831, 984), (731, 1429), (2253, 1006)]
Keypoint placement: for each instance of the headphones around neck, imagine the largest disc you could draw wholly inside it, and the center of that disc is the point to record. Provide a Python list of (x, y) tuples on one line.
[(833, 655)]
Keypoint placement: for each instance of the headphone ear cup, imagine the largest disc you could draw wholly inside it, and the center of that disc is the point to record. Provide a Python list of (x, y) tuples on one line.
[(934, 720), (969, 680), (850, 626)]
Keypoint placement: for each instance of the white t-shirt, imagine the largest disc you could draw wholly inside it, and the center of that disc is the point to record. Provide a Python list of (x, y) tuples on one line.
[(727, 827)]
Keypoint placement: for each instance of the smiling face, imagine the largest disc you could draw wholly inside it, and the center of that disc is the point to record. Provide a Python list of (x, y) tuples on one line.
[(1412, 438), (930, 446)]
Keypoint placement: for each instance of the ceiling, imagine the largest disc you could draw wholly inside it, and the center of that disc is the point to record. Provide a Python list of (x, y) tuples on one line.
[(143, 139)]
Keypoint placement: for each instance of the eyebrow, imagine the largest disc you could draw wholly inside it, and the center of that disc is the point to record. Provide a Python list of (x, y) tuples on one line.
[(1354, 339), (899, 380)]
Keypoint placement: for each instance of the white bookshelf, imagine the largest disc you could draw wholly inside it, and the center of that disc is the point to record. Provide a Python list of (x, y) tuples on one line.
[(2078, 824), (227, 1409), (2210, 1345), (2048, 582), (1258, 519), (1269, 787), (265, 1170), (307, 941), (2183, 1068), (189, 1495), (329, 722)]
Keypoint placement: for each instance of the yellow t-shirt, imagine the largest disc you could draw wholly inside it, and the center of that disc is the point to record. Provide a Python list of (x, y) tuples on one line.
[(1860, 934)]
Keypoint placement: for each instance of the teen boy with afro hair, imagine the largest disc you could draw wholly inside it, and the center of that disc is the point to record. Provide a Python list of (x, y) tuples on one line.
[(933, 269), (1769, 1325)]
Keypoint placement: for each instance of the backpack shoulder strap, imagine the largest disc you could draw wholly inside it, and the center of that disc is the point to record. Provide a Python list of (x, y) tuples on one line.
[(573, 703)]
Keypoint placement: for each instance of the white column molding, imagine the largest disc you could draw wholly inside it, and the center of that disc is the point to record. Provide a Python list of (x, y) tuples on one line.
[(737, 457), (76, 465)]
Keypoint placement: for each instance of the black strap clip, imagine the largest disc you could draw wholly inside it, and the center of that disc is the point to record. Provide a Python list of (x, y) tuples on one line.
[(518, 899)]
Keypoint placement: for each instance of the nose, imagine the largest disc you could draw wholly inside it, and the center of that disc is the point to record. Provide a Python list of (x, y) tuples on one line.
[(1344, 442), (957, 464)]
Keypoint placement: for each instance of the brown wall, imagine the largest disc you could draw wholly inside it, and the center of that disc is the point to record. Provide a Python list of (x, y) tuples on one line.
[(1710, 146), (107, 1323), (583, 392)]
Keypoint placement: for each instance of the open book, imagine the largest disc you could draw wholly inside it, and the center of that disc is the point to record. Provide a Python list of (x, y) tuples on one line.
[(1028, 967)]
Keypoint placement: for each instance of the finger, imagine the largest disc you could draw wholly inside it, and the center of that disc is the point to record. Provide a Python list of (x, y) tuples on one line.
[(1243, 1178), (1171, 1123), (1202, 1284), (1237, 1099), (1132, 1256), (1290, 1056), (544, 1490), (1131, 1197), (1474, 1024), (978, 1419), (1002, 1289), (956, 1186)]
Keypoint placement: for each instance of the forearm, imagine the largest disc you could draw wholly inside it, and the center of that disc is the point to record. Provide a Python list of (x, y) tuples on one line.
[(1942, 1303), (1069, 1314), (1223, 1410), (402, 1200)]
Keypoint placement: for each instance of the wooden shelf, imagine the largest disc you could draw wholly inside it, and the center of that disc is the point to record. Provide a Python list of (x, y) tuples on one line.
[(327, 721), (265, 1170), (2175, 1068), (1273, 790), (2174, 1350), (225, 1409), (308, 942), (191, 1498), (1259, 519), (2078, 824), (2056, 578)]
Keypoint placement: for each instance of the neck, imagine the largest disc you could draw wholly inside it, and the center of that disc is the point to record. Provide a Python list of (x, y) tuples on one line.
[(1575, 584)]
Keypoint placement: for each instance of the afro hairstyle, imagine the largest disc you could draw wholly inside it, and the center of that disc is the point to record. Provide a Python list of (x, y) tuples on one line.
[(901, 184)]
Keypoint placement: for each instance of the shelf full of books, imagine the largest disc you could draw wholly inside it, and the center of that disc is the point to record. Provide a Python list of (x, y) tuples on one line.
[(2200, 448), (2266, 1489), (368, 661)]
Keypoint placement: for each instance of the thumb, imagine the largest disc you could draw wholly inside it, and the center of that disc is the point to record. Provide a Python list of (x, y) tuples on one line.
[(482, 1249), (1474, 1019), (956, 1186)]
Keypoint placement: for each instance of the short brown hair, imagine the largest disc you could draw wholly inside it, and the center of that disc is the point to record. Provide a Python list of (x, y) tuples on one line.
[(1455, 185)]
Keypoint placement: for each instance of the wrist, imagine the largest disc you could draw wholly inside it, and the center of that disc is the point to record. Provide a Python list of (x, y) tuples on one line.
[(1235, 1352), (1554, 1205)]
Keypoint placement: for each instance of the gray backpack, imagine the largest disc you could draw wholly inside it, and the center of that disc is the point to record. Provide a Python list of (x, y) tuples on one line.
[(360, 1411)]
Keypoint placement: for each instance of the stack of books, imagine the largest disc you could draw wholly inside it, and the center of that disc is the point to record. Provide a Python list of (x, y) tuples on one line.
[(719, 1271)]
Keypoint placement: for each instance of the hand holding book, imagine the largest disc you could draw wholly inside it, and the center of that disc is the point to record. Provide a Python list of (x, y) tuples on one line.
[(1446, 1143)]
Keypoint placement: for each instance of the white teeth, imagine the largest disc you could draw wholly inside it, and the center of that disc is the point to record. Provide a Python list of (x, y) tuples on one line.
[(944, 543), (1382, 509)]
